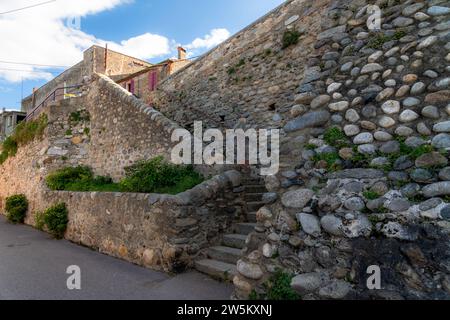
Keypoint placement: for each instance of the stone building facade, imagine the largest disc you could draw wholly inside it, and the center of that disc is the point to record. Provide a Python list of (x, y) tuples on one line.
[(96, 60), (144, 84)]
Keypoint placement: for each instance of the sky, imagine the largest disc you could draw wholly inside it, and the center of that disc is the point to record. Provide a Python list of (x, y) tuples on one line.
[(41, 41)]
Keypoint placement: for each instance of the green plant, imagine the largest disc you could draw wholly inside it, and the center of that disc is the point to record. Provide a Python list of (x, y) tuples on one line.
[(335, 137), (330, 158), (371, 195), (79, 179), (240, 63), (290, 38), (24, 133), (380, 39), (155, 175), (254, 296), (39, 220), (16, 208), (278, 287), (56, 219), (69, 132), (79, 116), (61, 179), (159, 176), (231, 71)]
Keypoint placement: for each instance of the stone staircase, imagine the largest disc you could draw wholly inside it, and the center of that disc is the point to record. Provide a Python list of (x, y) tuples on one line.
[(221, 260)]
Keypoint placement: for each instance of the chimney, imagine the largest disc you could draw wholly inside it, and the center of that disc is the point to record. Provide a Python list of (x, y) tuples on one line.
[(181, 53)]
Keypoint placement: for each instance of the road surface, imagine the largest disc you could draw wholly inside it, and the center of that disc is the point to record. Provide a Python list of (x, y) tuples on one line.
[(33, 266)]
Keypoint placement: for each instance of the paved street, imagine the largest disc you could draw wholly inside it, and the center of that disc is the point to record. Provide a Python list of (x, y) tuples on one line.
[(33, 266)]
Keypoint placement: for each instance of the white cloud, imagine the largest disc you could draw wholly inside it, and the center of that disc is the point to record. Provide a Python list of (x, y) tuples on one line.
[(144, 46), (42, 35), (215, 37)]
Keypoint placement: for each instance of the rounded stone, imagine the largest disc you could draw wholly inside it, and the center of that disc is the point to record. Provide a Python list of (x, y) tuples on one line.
[(404, 131), (410, 190), (391, 107), (310, 224), (411, 102), (297, 199), (410, 78), (383, 136), (355, 204), (402, 91), (431, 112), (386, 122), (444, 174), (332, 225), (297, 110), (363, 138), (422, 176), (320, 101), (339, 106), (418, 88), (408, 116), (441, 141), (250, 270), (390, 147), (351, 130), (352, 116), (442, 127)]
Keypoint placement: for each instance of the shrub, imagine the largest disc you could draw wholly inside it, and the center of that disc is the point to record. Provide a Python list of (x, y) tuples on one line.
[(278, 287), (61, 179), (290, 38), (16, 208), (56, 219), (331, 159), (159, 176)]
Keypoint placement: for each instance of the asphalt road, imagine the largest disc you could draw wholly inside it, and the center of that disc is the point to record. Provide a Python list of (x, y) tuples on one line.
[(33, 266)]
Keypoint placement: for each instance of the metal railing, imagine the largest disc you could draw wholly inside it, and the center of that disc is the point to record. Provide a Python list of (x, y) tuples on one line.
[(57, 95)]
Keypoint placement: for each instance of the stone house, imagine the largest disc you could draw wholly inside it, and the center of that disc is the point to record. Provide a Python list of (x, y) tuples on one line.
[(143, 84), (9, 119), (69, 83)]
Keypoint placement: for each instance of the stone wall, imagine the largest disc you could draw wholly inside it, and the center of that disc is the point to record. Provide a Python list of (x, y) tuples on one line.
[(375, 189), (249, 78), (156, 231), (107, 130)]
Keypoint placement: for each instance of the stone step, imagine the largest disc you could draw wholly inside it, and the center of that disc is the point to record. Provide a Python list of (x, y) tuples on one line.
[(255, 205), (251, 217), (234, 240), (255, 188), (225, 254), (244, 228), (254, 196), (216, 269)]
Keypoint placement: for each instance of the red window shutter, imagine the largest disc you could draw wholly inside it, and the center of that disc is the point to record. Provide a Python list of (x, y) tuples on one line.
[(132, 86), (153, 81)]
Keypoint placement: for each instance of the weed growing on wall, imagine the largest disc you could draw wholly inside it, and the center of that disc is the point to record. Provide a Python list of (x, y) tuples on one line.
[(278, 287), (154, 176), (16, 208), (24, 133), (290, 38), (159, 176)]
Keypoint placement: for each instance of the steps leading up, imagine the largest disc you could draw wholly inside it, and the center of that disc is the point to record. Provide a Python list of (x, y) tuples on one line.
[(234, 240), (222, 259), (216, 269), (224, 254), (244, 228)]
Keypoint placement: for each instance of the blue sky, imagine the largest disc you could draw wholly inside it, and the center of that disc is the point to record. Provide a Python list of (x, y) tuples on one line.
[(125, 23)]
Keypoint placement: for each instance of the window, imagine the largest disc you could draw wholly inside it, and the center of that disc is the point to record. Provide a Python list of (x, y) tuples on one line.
[(153, 80)]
